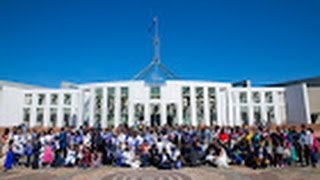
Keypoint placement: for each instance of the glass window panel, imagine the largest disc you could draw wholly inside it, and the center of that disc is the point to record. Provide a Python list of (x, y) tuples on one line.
[(155, 92), (40, 116), (66, 117), (244, 114), (186, 109), (53, 116), (270, 114), (212, 106), (67, 99), (28, 99), (171, 114), (124, 114), (155, 114), (243, 97), (111, 106), (54, 99), (98, 107), (86, 106), (256, 97), (26, 116), (139, 112), (41, 99), (269, 97), (200, 105), (257, 115)]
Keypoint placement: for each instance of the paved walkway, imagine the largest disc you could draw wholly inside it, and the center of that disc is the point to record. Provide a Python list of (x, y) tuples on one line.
[(202, 173), (147, 175)]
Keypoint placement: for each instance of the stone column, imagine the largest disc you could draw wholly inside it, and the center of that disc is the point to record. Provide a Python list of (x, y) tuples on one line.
[(163, 113), (33, 112), (46, 111), (60, 110)]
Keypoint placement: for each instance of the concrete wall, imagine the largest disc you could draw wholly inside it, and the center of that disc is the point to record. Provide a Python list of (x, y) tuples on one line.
[(298, 110), (314, 99), (314, 102), (11, 106), (47, 106), (228, 106), (278, 103), (171, 92)]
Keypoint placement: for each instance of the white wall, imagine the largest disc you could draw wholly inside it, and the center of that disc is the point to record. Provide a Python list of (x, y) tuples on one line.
[(277, 103), (11, 106), (171, 92), (228, 107), (74, 107), (298, 110)]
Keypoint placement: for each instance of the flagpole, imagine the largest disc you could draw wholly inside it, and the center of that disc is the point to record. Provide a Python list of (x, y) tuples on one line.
[(156, 41), (155, 64)]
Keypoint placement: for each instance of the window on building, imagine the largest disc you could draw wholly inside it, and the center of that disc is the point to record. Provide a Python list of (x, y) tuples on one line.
[(257, 115), (270, 114), (40, 116), (28, 99), (256, 97), (41, 99), (139, 112), (111, 106), (67, 117), (186, 109), (86, 106), (171, 114), (155, 92), (67, 99), (155, 114), (26, 116), (98, 107), (53, 116), (200, 105), (54, 99), (244, 115), (212, 106), (243, 97), (269, 97), (124, 107)]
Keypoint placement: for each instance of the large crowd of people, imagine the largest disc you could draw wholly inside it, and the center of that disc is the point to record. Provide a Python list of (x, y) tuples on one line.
[(163, 147)]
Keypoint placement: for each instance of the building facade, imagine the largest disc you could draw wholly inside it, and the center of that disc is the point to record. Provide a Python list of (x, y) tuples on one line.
[(110, 104)]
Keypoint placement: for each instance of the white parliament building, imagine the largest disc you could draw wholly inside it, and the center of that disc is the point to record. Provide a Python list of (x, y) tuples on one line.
[(152, 100)]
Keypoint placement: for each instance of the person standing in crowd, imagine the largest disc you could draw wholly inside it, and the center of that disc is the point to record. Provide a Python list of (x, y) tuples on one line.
[(165, 147), (314, 148), (28, 153), (63, 144), (36, 147), (9, 160)]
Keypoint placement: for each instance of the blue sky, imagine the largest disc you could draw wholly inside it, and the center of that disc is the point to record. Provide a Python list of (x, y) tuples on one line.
[(46, 42)]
